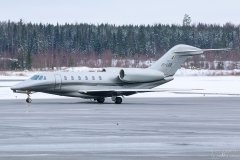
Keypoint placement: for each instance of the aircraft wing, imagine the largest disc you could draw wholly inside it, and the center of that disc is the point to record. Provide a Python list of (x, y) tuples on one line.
[(127, 92), (207, 93)]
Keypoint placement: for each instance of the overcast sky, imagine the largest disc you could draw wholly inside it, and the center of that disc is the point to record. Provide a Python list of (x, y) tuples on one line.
[(120, 11)]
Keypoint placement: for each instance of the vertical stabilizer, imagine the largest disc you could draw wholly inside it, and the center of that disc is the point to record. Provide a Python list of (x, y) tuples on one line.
[(170, 62)]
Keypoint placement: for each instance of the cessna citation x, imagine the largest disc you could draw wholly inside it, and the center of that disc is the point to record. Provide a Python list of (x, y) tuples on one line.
[(110, 82)]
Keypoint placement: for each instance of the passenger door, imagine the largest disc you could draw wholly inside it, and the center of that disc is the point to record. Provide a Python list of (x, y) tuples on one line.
[(58, 81)]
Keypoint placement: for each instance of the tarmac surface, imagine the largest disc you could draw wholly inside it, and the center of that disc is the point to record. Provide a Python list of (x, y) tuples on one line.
[(140, 128)]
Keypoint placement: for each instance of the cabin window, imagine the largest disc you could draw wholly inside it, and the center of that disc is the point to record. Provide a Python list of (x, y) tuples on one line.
[(44, 78), (79, 77), (93, 78), (100, 78), (72, 77), (40, 78), (86, 78), (65, 78)]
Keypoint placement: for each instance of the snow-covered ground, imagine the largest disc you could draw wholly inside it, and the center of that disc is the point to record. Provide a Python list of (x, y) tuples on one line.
[(219, 85), (206, 72), (184, 79)]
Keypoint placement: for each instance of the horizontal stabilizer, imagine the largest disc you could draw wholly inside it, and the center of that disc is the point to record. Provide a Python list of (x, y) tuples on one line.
[(188, 52), (198, 51), (220, 49)]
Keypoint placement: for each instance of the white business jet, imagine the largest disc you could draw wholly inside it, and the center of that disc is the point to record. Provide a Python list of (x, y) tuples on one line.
[(110, 82)]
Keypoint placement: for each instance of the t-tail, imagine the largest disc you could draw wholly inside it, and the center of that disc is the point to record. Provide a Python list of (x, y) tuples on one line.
[(170, 62)]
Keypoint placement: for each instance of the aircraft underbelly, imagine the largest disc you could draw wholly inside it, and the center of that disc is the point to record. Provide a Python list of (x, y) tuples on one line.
[(72, 90)]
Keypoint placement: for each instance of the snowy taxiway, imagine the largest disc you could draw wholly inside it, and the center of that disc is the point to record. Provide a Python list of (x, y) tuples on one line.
[(168, 128)]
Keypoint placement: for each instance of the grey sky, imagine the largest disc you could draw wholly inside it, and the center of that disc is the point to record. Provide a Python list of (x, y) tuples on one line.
[(120, 11)]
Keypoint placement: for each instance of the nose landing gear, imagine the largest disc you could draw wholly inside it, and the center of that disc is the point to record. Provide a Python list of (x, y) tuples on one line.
[(28, 100)]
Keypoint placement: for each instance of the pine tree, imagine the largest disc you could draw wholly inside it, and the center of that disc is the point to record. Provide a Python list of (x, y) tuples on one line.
[(56, 43), (186, 20)]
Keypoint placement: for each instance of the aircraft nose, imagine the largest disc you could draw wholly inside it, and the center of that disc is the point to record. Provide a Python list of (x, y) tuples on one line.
[(15, 87), (19, 86)]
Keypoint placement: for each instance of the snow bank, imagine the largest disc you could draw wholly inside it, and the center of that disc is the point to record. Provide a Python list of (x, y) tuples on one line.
[(207, 84), (180, 72), (204, 72)]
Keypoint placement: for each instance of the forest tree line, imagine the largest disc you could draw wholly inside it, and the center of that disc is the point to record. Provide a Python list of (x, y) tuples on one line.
[(31, 45)]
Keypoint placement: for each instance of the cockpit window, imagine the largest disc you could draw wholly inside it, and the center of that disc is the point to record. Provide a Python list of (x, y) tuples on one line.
[(40, 78), (35, 77)]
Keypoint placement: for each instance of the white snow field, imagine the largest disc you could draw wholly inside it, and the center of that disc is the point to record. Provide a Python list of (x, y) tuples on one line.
[(184, 80)]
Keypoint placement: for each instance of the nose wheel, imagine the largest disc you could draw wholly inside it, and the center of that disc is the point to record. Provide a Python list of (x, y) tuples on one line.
[(28, 100)]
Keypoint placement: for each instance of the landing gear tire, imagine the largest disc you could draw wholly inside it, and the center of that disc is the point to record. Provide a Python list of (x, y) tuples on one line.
[(101, 100), (28, 100), (118, 100)]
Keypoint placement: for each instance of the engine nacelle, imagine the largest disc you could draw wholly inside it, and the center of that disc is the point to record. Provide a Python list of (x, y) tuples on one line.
[(133, 75)]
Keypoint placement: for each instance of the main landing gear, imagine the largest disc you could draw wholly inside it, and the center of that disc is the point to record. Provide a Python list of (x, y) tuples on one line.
[(28, 100), (100, 100), (117, 100)]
